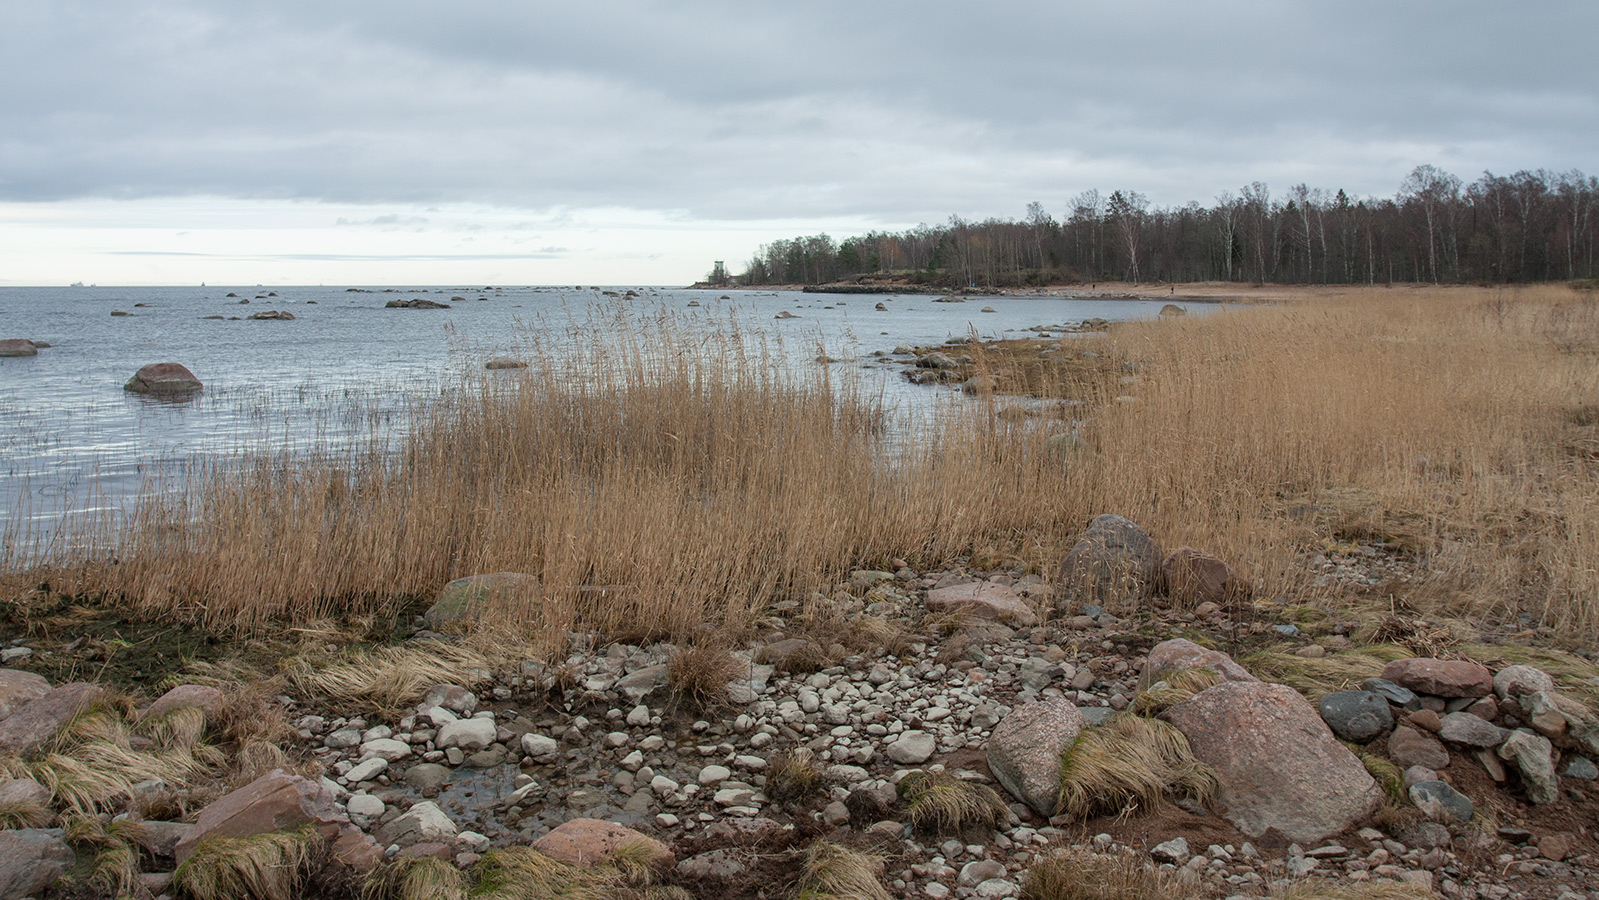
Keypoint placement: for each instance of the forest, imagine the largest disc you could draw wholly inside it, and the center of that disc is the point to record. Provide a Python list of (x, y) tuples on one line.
[(1526, 227)]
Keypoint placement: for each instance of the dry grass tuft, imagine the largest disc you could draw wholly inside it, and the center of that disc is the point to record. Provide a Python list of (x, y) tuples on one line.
[(1326, 890), (115, 847), (1073, 874), (1333, 672), (416, 878), (394, 676), (93, 764), (1173, 689), (939, 803), (261, 867), (699, 675), (795, 778), (522, 873), (1129, 762), (24, 814), (832, 872)]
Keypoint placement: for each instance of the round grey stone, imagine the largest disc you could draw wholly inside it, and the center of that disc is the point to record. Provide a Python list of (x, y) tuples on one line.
[(1356, 716)]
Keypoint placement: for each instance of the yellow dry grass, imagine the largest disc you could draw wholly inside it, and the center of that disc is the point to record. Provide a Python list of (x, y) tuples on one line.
[(941, 804), (93, 763), (1130, 762), (268, 866), (834, 872), (1078, 874), (702, 481)]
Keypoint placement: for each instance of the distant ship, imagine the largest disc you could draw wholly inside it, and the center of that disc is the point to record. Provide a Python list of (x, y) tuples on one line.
[(76, 284)]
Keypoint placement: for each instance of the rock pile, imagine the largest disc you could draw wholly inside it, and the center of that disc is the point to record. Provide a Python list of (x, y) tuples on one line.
[(593, 751)]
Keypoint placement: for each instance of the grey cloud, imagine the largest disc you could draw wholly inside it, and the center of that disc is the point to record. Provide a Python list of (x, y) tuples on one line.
[(900, 111)]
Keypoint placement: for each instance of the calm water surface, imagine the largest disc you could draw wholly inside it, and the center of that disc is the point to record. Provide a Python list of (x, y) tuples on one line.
[(347, 368)]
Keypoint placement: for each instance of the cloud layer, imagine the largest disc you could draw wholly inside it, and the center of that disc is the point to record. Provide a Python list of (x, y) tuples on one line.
[(893, 112)]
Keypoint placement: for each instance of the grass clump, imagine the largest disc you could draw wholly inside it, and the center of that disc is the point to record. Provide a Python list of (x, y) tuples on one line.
[(397, 675), (795, 778), (833, 872), (416, 878), (699, 675), (1128, 762), (1173, 689), (939, 803), (115, 847), (260, 867), (1075, 874), (1371, 890), (24, 812), (522, 873), (1386, 774), (93, 764), (1333, 672)]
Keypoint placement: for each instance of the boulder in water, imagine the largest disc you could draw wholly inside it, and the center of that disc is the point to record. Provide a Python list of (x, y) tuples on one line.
[(166, 378), (415, 303), (18, 347)]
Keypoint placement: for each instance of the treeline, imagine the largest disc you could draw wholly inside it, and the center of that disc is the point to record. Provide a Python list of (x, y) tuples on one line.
[(1530, 226)]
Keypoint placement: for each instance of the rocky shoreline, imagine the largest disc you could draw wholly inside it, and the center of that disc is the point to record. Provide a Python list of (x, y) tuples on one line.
[(832, 716)]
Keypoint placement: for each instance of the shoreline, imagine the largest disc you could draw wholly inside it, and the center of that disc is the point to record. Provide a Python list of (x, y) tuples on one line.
[(1187, 292)]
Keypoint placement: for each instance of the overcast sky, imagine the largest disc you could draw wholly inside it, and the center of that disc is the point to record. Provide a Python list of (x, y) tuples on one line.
[(522, 141)]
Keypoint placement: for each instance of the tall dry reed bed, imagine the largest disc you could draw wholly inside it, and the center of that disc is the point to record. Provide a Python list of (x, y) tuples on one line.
[(1459, 423), (706, 479), (700, 476)]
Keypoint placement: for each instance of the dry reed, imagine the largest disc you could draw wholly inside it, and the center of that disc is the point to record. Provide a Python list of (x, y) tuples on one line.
[(702, 479)]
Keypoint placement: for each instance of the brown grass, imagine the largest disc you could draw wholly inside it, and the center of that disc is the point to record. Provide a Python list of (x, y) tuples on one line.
[(699, 675), (795, 778), (1130, 762), (939, 803), (704, 481), (833, 872), (1073, 874)]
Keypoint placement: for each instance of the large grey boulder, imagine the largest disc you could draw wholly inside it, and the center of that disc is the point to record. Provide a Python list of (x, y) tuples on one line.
[(1113, 565), (463, 602), (31, 859), (18, 347), (166, 379), (1278, 766), (1025, 748)]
